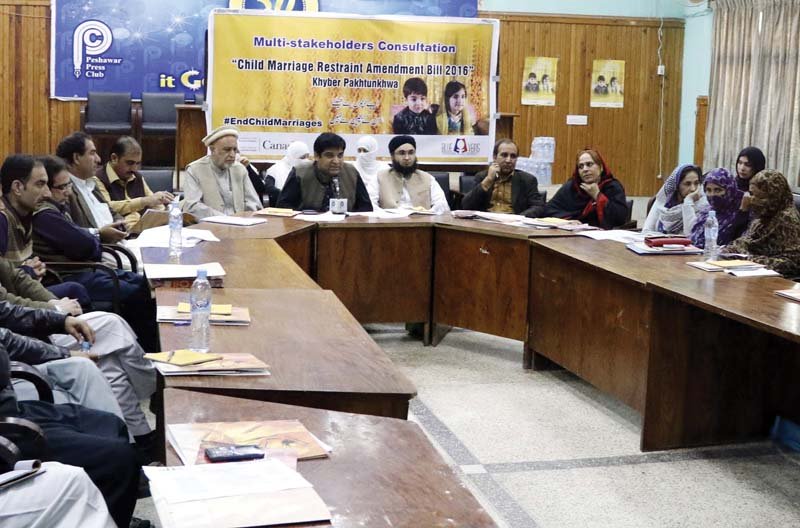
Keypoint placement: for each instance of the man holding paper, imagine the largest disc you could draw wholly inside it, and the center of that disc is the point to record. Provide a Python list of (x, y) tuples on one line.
[(218, 184), (504, 189)]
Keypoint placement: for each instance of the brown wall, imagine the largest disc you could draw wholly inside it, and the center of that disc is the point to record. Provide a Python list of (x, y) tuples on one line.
[(628, 137)]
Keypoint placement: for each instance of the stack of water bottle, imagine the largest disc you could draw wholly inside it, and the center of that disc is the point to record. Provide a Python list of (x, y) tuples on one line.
[(540, 164), (200, 296)]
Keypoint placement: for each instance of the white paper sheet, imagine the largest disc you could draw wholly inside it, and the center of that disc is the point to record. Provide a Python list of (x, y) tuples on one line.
[(159, 237), (763, 272), (322, 217), (235, 220), (182, 271), (617, 235), (385, 213), (210, 481)]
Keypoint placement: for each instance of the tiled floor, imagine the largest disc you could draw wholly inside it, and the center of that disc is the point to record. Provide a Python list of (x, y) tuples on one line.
[(548, 450)]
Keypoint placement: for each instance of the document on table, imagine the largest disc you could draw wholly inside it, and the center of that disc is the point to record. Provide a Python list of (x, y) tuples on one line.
[(762, 272), (235, 220), (322, 217), (385, 213), (159, 237), (182, 271), (617, 235), (254, 493)]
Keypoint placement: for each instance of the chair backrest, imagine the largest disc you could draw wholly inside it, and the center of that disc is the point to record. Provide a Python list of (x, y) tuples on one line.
[(796, 201), (650, 203), (158, 179), (466, 182), (160, 107), (443, 179), (629, 203), (108, 107), (199, 98), (544, 196)]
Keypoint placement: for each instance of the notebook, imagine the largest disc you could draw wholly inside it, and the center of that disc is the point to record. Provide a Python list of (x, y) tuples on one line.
[(182, 357)]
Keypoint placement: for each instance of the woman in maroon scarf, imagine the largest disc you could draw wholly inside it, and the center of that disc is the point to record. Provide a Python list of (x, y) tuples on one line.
[(592, 196)]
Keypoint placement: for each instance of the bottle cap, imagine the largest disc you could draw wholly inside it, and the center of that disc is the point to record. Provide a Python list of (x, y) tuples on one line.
[(202, 273), (85, 345)]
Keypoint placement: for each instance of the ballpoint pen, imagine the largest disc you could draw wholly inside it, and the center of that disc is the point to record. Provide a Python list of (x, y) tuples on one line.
[(169, 356)]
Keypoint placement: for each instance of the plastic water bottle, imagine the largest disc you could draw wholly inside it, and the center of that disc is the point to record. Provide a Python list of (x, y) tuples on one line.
[(200, 301), (175, 227), (86, 347), (711, 251)]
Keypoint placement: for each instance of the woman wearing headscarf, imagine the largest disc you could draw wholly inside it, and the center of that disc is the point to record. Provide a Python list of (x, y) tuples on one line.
[(296, 152), (592, 196), (749, 162), (724, 197), (367, 165), (677, 202), (773, 238)]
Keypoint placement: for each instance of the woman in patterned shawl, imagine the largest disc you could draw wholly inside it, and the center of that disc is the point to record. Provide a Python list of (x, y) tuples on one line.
[(724, 197), (773, 238), (677, 202)]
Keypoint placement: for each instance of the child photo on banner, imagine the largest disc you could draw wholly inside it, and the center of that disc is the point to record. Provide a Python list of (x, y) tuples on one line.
[(539, 81), (608, 82)]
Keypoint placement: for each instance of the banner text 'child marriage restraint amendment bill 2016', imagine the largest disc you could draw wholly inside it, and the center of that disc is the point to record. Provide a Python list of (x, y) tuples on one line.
[(282, 77)]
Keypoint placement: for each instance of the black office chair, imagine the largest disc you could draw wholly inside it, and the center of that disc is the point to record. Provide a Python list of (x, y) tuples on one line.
[(443, 179), (466, 182), (199, 99), (796, 201), (544, 196), (108, 113), (652, 200), (159, 116), (629, 222), (158, 179)]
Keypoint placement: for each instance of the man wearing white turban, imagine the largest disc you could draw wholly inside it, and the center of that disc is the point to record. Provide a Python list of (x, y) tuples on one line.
[(368, 166), (296, 152)]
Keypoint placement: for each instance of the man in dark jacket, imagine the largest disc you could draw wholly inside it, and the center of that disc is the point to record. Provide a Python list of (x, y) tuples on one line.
[(94, 440), (504, 189)]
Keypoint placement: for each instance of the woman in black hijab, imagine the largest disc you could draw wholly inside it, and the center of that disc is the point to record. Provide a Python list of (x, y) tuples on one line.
[(749, 162)]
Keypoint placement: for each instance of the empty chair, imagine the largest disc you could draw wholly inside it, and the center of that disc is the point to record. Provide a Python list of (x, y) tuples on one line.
[(108, 113), (158, 179), (199, 99), (159, 116)]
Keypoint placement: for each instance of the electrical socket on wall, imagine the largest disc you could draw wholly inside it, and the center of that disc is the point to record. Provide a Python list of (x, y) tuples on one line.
[(661, 70)]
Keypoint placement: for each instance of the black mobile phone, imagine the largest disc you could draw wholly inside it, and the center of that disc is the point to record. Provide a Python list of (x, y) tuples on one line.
[(234, 453)]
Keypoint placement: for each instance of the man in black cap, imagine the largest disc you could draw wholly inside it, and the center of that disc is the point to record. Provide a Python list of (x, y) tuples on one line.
[(404, 185), (311, 185)]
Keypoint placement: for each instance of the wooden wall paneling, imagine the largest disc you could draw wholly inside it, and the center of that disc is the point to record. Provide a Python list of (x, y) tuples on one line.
[(628, 137), (701, 120)]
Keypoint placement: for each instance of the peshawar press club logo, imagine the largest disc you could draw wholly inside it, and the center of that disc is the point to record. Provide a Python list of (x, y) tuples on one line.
[(90, 39)]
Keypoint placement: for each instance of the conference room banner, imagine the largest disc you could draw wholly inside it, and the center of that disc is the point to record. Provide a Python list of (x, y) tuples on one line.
[(158, 46), (283, 77)]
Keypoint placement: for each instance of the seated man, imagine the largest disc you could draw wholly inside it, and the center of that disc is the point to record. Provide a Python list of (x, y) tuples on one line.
[(58, 495), (93, 440), (404, 185), (504, 189), (123, 188), (312, 185), (41, 216), (218, 184)]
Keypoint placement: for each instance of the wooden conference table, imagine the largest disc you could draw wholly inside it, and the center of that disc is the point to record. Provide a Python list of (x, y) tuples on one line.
[(381, 472), (592, 307), (706, 358)]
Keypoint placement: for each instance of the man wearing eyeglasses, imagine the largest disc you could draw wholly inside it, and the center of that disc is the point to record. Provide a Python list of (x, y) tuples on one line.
[(123, 187), (217, 184), (504, 189)]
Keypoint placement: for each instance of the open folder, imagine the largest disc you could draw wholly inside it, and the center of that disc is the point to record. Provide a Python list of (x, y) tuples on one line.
[(235, 316)]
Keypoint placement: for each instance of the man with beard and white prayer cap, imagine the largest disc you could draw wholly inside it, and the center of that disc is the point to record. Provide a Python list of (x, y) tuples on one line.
[(296, 152), (404, 185), (368, 165)]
